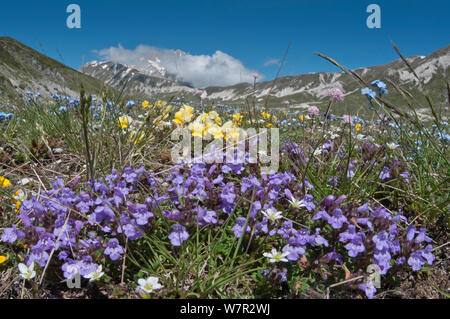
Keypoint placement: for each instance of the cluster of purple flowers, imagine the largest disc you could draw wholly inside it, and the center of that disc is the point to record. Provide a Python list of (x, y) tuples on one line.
[(77, 225)]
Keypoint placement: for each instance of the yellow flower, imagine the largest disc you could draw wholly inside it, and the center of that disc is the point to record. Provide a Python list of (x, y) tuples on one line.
[(4, 182), (237, 119), (197, 129), (168, 109), (269, 125), (301, 118), (215, 117), (184, 115), (265, 115), (2, 259), (216, 132), (358, 127), (145, 104), (124, 121), (18, 197), (138, 139)]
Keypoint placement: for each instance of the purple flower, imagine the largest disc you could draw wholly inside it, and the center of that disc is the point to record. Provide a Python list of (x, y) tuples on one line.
[(313, 110), (354, 247), (350, 234), (421, 237), (416, 261), (332, 256), (382, 259), (319, 240), (239, 227), (405, 175), (338, 219), (333, 181), (369, 289), (410, 233), (140, 213), (227, 194), (206, 217), (249, 183), (10, 235), (426, 253), (114, 250), (381, 240), (178, 235), (401, 260), (321, 214), (294, 252), (336, 95), (129, 175), (385, 173), (70, 269)]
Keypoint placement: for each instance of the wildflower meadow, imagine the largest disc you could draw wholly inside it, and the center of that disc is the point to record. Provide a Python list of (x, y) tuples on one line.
[(349, 205)]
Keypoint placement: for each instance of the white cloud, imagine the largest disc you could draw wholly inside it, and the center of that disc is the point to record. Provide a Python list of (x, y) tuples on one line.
[(272, 61), (219, 69)]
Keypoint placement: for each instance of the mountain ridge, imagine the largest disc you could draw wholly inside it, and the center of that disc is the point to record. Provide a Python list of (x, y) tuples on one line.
[(23, 69), (313, 87)]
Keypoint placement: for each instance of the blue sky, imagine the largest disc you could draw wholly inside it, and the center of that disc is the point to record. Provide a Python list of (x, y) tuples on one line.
[(253, 32)]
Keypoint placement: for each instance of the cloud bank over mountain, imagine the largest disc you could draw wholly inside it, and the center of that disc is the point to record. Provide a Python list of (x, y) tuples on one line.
[(219, 69)]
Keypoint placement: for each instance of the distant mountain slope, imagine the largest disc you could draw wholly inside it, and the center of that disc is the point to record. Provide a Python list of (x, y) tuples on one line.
[(23, 69), (309, 88), (313, 88), (135, 82)]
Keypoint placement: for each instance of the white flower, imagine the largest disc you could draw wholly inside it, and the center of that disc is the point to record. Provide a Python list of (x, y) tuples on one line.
[(149, 285), (392, 146), (96, 275), (272, 214), (27, 272), (334, 136), (295, 203), (360, 137), (277, 256), (20, 195), (317, 152)]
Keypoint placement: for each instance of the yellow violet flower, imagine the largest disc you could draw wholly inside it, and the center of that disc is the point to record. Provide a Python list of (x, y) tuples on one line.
[(358, 127), (145, 104), (216, 132), (237, 119), (184, 115), (138, 139), (197, 129), (124, 121), (265, 115), (4, 182), (2, 259)]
